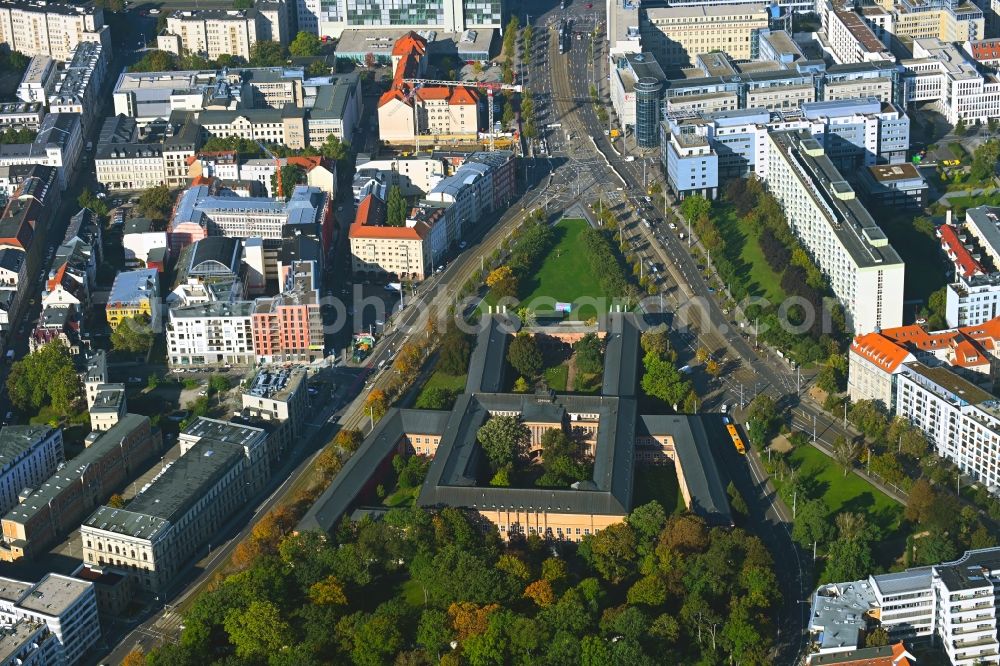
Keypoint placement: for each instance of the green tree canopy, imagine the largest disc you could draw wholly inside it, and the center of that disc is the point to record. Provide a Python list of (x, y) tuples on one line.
[(156, 203), (504, 439), (453, 357), (155, 61), (133, 335), (396, 208), (525, 355), (305, 44), (588, 354), (265, 53), (664, 381), (46, 376)]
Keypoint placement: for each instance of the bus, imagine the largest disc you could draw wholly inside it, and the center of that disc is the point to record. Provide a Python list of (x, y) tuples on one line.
[(737, 441)]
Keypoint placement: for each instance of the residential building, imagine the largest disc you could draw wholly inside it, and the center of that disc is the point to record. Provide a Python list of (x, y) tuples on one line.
[(80, 83), (675, 35), (211, 333), (953, 603), (228, 166), (221, 468), (130, 166), (58, 505), (701, 149), (876, 359), (39, 80), (95, 374), (381, 251), (275, 21), (636, 90), (289, 327), (109, 407), (414, 176), (973, 298), (865, 272), (895, 186), (35, 27), (66, 606), (140, 237), (21, 115), (212, 32), (609, 424), (850, 38), (28, 456), (28, 643), (280, 397), (134, 294), (59, 144)]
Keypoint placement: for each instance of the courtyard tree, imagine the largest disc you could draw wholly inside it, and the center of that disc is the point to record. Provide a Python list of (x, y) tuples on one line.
[(155, 203), (588, 354), (44, 377), (133, 335), (305, 44), (265, 53), (525, 355), (504, 440), (395, 208), (663, 380)]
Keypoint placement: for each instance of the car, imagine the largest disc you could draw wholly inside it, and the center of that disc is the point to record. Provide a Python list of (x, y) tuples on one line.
[(463, 245), (203, 392), (178, 371), (673, 227), (154, 12), (685, 370), (440, 269)]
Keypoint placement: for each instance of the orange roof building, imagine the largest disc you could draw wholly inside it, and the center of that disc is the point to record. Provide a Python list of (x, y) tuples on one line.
[(406, 110), (380, 251), (886, 655)]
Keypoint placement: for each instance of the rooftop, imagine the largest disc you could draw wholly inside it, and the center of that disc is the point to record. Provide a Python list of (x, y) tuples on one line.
[(14, 636), (888, 173), (951, 383), (973, 570), (275, 383), (55, 594), (839, 613), (109, 398), (15, 440), (213, 309), (134, 286), (861, 32)]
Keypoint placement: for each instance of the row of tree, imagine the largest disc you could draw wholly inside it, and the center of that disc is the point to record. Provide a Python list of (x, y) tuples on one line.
[(605, 264), (423, 587), (660, 378), (11, 135), (263, 53)]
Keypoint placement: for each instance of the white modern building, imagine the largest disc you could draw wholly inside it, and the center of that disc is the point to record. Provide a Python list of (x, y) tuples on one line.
[(943, 74), (39, 79), (973, 298), (331, 17), (212, 32), (28, 456), (66, 605), (222, 467), (59, 144), (211, 333), (865, 272), (953, 603)]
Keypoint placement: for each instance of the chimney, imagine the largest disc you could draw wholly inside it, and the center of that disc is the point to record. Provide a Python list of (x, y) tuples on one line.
[(947, 219)]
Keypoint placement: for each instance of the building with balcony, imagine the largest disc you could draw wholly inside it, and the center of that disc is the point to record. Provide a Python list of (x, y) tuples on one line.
[(212, 333), (28, 456), (65, 606), (35, 27), (212, 32), (280, 397)]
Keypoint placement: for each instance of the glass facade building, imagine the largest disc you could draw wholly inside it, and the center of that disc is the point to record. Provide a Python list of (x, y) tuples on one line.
[(647, 112)]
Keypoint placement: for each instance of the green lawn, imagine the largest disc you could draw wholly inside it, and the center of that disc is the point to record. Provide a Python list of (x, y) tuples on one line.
[(565, 275), (846, 493), (768, 282), (440, 379), (658, 482), (746, 256), (403, 497), (557, 377)]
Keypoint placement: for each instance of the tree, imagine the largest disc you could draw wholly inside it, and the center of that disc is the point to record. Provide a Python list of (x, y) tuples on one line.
[(504, 439), (46, 376), (920, 501), (258, 631), (453, 357), (662, 380), (155, 203), (960, 128), (284, 180), (305, 44), (396, 208), (712, 368), (376, 404), (155, 61), (588, 354), (265, 53), (694, 207), (329, 463), (133, 335), (135, 658), (409, 359), (846, 451), (541, 593), (853, 527), (648, 520), (335, 149), (877, 637), (613, 551), (736, 501), (812, 523), (521, 385), (984, 161), (503, 282), (847, 560), (525, 355), (328, 592), (349, 440), (656, 341), (435, 397), (116, 501), (318, 68), (88, 200)]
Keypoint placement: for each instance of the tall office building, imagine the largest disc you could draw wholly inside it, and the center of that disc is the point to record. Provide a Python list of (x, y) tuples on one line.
[(647, 112), (331, 17)]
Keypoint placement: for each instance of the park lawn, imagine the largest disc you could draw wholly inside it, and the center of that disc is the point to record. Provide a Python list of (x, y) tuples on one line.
[(565, 274), (768, 282), (441, 379), (960, 204), (587, 383), (402, 497), (847, 493), (557, 377), (658, 482)]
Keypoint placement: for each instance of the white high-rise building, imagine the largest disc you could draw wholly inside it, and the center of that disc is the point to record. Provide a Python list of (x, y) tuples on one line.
[(865, 272), (331, 17), (49, 28)]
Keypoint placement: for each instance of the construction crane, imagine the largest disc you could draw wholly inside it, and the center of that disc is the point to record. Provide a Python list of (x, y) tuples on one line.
[(489, 86)]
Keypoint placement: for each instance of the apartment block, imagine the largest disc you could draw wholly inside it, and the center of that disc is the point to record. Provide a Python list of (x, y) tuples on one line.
[(28, 643), (378, 250), (675, 35), (212, 32), (289, 327), (865, 272), (974, 250), (21, 115), (36, 27), (700, 149), (129, 166), (275, 21), (39, 79), (851, 39), (57, 506), (134, 294), (279, 397), (221, 468), (80, 83), (28, 456), (59, 144), (229, 166), (211, 333), (110, 407), (65, 606), (953, 603)]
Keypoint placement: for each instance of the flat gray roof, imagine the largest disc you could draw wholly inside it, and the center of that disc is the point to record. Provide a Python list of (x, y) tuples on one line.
[(17, 439), (54, 594)]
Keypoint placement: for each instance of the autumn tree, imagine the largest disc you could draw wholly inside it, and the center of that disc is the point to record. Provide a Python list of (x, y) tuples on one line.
[(503, 282), (541, 593), (135, 658), (655, 341), (116, 501), (328, 462), (328, 592), (348, 439), (376, 404), (877, 637), (408, 359)]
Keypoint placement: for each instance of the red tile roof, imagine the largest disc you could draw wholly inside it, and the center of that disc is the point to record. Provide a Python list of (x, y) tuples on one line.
[(58, 277), (369, 222), (408, 44), (956, 251), (880, 350)]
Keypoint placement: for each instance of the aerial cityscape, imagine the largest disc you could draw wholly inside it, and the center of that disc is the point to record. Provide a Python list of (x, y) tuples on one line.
[(488, 332)]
